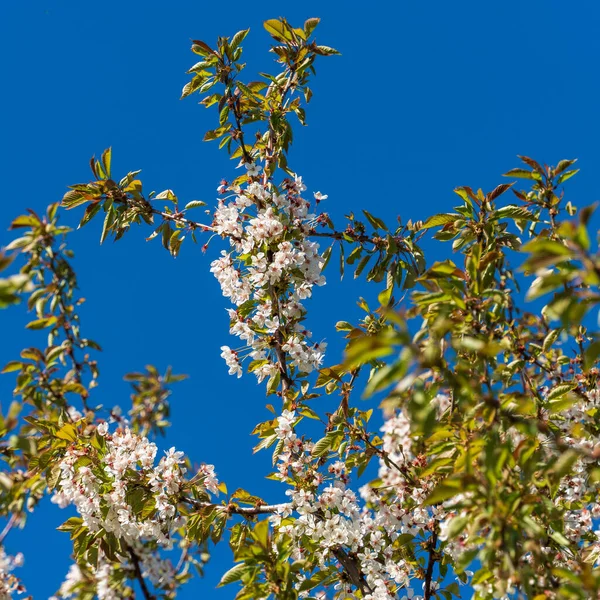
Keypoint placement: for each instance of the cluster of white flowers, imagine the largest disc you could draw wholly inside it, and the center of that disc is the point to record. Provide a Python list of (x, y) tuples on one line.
[(108, 507), (328, 516), (68, 587), (103, 487), (103, 582), (9, 584), (270, 270), (99, 578)]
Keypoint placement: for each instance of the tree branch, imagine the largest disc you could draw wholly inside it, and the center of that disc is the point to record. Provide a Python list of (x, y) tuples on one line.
[(353, 570), (121, 197), (432, 560), (233, 509), (8, 527), (138, 574)]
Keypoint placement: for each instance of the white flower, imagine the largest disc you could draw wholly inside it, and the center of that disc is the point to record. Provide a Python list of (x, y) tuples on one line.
[(210, 481), (231, 360), (285, 423), (252, 169)]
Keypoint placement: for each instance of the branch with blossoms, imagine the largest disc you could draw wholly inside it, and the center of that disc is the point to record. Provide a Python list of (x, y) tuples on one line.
[(487, 456), (272, 267)]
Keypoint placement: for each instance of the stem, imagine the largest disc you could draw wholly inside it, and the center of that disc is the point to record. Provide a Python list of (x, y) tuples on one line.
[(77, 367), (138, 574), (270, 155), (121, 198), (432, 560), (234, 103), (352, 569), (348, 563), (232, 509), (8, 527), (182, 559)]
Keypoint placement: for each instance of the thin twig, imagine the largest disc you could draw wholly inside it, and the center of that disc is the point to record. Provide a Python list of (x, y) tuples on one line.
[(121, 197), (233, 509), (8, 527)]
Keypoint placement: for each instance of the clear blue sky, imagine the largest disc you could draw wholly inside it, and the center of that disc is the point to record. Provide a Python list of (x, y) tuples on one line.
[(426, 96)]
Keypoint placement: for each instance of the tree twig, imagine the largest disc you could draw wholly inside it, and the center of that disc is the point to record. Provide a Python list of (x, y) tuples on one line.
[(8, 527), (233, 509), (353, 570), (432, 560), (138, 574)]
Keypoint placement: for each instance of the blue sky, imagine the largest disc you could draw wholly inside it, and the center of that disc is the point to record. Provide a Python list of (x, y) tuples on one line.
[(425, 97)]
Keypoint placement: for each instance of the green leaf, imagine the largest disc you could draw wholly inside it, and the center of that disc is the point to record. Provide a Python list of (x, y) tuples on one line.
[(245, 497), (457, 525), (564, 464), (550, 339), (13, 365), (562, 165), (385, 296), (41, 323), (326, 51), (200, 67), (90, 212), (322, 446), (72, 199), (448, 488), (261, 533), (70, 524), (106, 161), (191, 86), (315, 580), (560, 390), (360, 267), (567, 175), (234, 574), (310, 25), (520, 173), (441, 219), (366, 348), (277, 29), (560, 539), (265, 443), (107, 224), (513, 212), (375, 222), (199, 47), (67, 432), (238, 38), (194, 204), (166, 195)]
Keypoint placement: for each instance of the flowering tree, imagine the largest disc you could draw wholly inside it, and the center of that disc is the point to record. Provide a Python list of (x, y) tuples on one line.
[(488, 472)]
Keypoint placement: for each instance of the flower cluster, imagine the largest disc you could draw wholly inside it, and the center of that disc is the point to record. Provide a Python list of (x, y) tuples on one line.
[(121, 491), (103, 580), (109, 507), (270, 270), (330, 516), (73, 579), (9, 584)]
